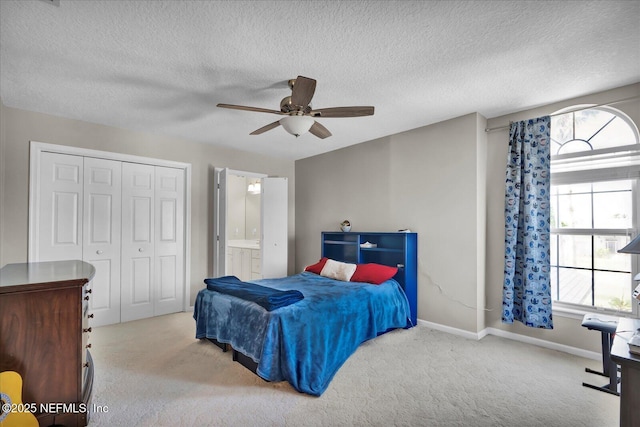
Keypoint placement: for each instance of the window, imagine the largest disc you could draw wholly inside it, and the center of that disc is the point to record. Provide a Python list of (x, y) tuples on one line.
[(595, 174)]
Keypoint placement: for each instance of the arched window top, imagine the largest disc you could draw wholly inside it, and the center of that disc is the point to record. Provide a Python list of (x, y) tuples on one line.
[(584, 129)]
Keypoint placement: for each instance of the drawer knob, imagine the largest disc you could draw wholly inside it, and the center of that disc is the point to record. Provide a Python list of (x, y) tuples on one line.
[(141, 250), (87, 329), (99, 252)]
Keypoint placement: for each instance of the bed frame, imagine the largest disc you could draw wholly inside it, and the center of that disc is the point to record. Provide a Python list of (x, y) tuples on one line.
[(237, 356), (223, 346)]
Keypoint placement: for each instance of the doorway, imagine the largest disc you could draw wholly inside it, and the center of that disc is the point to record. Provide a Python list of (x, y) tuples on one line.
[(250, 232)]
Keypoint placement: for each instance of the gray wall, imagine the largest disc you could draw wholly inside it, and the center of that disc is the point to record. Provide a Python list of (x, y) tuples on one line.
[(566, 330), (18, 127), (429, 180), (446, 182)]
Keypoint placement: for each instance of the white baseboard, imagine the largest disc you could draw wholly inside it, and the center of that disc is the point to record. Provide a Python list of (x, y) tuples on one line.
[(451, 330), (546, 344), (513, 336)]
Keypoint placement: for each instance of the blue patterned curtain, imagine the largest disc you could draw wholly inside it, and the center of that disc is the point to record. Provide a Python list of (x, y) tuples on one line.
[(527, 291)]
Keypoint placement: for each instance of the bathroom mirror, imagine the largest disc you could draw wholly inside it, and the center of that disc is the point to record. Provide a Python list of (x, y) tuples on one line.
[(243, 211)]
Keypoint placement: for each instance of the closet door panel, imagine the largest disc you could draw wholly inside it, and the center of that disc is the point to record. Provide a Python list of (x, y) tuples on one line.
[(102, 292), (141, 214), (141, 279), (59, 224), (102, 233), (138, 256), (169, 240), (167, 267)]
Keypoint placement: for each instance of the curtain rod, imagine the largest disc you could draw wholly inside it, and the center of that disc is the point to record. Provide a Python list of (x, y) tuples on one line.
[(569, 111)]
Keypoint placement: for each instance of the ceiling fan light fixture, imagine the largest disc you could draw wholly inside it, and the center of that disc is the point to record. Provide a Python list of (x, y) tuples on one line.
[(299, 114), (297, 125)]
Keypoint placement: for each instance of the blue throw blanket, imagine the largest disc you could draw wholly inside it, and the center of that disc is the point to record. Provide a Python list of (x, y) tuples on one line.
[(307, 342), (269, 298)]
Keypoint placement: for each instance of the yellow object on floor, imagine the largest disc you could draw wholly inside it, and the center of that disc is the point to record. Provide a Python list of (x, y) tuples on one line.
[(13, 412)]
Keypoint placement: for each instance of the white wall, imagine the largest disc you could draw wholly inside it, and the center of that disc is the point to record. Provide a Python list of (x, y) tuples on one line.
[(18, 127)]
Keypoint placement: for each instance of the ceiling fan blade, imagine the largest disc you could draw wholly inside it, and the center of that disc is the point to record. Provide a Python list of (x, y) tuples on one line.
[(342, 112), (303, 90), (257, 109), (320, 131), (263, 129)]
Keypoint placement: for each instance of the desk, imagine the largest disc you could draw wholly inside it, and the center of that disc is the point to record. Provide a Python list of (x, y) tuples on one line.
[(629, 373)]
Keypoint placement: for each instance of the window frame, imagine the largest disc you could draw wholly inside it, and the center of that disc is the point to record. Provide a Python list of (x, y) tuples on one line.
[(606, 170)]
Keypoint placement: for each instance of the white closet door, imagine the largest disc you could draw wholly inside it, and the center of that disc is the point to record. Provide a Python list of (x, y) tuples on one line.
[(274, 227), (59, 221), (169, 238), (137, 241), (101, 230)]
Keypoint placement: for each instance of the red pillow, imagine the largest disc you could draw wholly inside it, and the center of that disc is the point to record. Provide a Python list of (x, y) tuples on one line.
[(317, 267), (373, 273)]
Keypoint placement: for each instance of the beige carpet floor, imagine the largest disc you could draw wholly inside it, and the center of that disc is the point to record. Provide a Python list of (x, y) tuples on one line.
[(153, 372)]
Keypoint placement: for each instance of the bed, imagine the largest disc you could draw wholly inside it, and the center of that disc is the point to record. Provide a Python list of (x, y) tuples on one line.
[(307, 341)]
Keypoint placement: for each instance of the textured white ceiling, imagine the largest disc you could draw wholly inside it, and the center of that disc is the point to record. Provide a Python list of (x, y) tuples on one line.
[(162, 66)]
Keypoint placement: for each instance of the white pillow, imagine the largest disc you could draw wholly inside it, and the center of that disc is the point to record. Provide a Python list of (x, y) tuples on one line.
[(338, 270)]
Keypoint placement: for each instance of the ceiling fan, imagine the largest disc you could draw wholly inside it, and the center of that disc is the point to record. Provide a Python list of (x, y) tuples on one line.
[(299, 114)]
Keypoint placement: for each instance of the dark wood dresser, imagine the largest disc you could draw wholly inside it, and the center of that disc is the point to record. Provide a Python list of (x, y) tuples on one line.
[(43, 336)]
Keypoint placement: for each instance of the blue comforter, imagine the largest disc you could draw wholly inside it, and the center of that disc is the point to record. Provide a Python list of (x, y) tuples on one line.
[(304, 343), (268, 298)]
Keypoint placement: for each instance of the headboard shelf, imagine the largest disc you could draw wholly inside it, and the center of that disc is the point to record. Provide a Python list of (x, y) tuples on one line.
[(381, 250), (339, 242), (396, 249)]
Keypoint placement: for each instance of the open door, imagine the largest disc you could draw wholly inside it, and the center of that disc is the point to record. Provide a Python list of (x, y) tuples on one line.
[(220, 222), (274, 227)]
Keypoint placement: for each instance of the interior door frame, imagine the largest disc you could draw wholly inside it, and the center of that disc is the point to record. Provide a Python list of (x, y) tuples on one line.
[(220, 219), (37, 148)]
